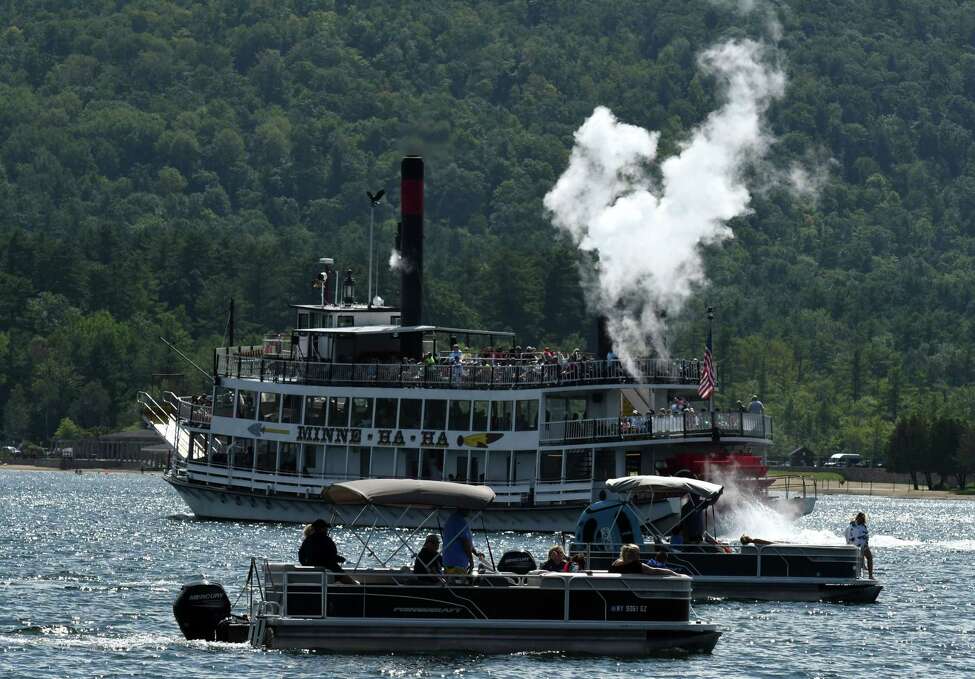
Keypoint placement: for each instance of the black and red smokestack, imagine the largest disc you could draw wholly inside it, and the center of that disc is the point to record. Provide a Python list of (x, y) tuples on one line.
[(411, 250)]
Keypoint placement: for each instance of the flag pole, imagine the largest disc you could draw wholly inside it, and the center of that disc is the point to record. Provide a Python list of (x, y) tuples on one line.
[(715, 372)]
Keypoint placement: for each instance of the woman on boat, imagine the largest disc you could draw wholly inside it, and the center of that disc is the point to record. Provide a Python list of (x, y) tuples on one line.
[(858, 534), (556, 560), (629, 562)]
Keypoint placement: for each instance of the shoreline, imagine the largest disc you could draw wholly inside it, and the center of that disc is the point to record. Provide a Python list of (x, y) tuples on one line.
[(903, 491), (895, 491), (84, 470)]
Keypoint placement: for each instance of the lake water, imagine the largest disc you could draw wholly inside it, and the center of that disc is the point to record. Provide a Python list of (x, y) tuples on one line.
[(90, 564)]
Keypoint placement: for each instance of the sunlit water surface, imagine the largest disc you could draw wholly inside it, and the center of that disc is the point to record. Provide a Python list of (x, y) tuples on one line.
[(90, 564)]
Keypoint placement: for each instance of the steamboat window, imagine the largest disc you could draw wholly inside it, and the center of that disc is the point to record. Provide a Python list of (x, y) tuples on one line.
[(394, 320), (498, 466), (345, 321), (335, 461), (221, 446), (338, 411), (303, 320), (434, 414), (198, 447), (526, 416), (431, 464), (500, 415), (266, 455), (362, 412), (312, 463), (385, 413), (480, 413), (578, 464), (361, 456), (242, 454), (315, 410), (524, 465), (270, 404), (476, 465), (291, 408), (550, 466), (407, 463), (288, 459), (246, 405), (409, 413), (223, 402), (460, 415), (605, 464), (457, 465), (382, 463)]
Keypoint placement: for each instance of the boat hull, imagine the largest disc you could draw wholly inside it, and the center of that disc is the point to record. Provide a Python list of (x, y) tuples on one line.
[(210, 502), (493, 636), (786, 589)]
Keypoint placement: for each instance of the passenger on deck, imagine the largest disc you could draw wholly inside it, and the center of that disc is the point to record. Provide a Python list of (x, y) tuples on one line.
[(318, 550), (459, 552), (428, 560), (556, 560), (858, 534), (629, 562), (758, 542)]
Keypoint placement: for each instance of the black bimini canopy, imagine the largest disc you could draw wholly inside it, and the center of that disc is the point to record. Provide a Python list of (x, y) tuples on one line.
[(673, 485), (409, 492)]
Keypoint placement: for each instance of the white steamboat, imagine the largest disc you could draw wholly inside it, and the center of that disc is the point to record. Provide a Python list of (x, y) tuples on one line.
[(347, 395)]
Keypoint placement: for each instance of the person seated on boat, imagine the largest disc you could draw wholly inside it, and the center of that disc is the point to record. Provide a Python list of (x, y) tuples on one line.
[(659, 560), (858, 534), (318, 550), (459, 552), (758, 542), (629, 563), (428, 560), (556, 560)]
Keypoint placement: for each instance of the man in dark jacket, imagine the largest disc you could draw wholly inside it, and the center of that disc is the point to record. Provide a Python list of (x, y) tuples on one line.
[(428, 560), (318, 550)]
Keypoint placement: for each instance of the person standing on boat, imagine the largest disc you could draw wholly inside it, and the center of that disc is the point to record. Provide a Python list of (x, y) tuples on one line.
[(318, 550), (858, 534), (458, 552), (756, 407)]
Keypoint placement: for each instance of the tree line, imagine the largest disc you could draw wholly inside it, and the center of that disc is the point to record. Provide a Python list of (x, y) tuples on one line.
[(158, 158)]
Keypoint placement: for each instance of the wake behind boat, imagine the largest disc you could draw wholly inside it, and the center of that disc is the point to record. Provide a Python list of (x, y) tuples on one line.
[(382, 608)]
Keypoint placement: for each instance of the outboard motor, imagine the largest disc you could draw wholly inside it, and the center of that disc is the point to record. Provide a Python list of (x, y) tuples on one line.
[(518, 562), (199, 608)]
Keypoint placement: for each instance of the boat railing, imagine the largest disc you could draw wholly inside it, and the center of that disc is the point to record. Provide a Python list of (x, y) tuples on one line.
[(472, 374), (305, 485), (797, 485), (645, 427), (189, 411)]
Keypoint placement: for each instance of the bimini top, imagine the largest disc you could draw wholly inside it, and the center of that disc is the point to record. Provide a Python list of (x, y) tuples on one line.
[(409, 492), (666, 484)]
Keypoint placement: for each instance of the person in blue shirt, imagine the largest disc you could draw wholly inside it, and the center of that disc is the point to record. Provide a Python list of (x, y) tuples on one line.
[(458, 552)]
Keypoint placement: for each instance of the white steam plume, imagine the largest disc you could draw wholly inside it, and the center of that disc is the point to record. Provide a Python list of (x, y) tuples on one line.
[(647, 237), (397, 262)]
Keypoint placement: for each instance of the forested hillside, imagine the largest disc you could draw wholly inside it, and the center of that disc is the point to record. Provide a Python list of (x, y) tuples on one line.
[(157, 158)]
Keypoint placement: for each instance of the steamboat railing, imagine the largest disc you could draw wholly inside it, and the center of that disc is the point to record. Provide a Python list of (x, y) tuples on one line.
[(684, 425), (219, 471), (467, 375)]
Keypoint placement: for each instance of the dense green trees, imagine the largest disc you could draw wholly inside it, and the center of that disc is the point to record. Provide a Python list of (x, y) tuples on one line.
[(157, 158)]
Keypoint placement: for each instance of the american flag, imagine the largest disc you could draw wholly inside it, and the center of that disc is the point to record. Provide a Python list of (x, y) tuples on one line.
[(706, 388)]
